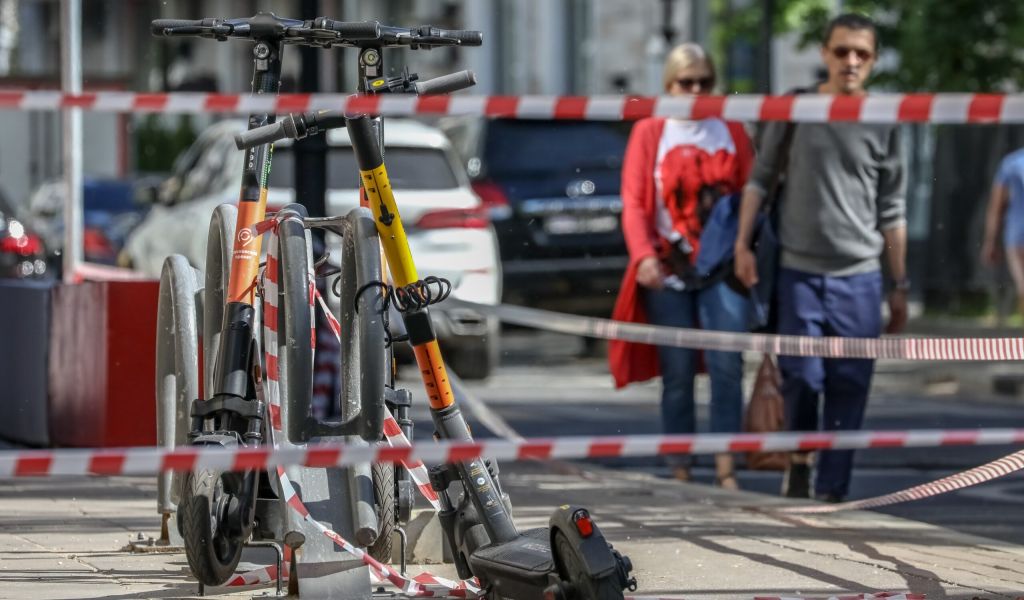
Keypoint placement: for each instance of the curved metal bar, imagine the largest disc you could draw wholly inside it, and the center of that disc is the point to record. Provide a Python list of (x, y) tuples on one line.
[(219, 243), (177, 366)]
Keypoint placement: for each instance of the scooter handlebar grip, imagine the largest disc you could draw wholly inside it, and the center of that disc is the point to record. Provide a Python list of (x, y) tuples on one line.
[(355, 30), (176, 27), (261, 135), (466, 37), (446, 83)]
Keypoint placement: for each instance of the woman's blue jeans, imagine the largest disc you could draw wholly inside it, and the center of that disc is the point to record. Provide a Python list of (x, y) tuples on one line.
[(714, 308)]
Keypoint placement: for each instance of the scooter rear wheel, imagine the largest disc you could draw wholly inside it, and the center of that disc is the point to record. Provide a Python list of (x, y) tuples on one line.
[(573, 570), (212, 552), (387, 512)]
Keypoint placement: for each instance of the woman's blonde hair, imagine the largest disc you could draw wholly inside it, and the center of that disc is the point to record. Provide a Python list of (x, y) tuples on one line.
[(683, 56)]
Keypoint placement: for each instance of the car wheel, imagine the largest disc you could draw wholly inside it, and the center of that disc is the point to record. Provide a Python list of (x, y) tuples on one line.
[(476, 357)]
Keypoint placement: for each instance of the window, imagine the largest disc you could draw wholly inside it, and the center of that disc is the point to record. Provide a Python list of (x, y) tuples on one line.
[(408, 168)]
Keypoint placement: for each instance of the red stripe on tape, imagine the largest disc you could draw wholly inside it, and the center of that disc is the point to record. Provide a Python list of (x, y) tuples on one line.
[(363, 104), (777, 108), (888, 440), (707, 106), (816, 441), (273, 373), (270, 316), (571, 107), (150, 102), (535, 450), (85, 100), (323, 457), (606, 448), (501, 106), (251, 458), (675, 447), (221, 102), (275, 416), (636, 107), (985, 108), (434, 105), (394, 454), (463, 452), (32, 465), (107, 463), (292, 102), (959, 438), (184, 459), (391, 428), (915, 107), (11, 99), (845, 108)]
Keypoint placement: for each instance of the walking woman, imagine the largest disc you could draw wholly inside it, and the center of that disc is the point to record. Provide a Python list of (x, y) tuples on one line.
[(674, 172)]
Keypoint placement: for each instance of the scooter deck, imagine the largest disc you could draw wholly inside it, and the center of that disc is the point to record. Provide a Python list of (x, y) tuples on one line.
[(518, 569)]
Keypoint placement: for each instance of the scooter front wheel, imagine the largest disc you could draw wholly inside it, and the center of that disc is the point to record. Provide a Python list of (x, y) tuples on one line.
[(212, 552), (582, 584)]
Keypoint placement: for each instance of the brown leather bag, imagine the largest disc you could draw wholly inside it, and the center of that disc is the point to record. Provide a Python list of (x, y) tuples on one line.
[(766, 414)]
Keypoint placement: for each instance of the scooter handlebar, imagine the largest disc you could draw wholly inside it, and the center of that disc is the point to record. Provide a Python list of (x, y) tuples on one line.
[(445, 84)]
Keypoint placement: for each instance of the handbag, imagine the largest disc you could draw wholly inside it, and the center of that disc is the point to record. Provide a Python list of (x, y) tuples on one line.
[(766, 414)]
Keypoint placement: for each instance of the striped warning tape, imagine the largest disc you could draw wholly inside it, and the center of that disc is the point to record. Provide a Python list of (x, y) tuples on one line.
[(986, 472), (920, 349), (807, 108), (152, 460)]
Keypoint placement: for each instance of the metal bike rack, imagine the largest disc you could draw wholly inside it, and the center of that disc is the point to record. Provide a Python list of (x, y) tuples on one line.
[(177, 383), (342, 499)]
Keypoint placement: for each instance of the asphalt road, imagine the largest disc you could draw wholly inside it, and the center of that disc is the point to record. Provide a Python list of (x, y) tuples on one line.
[(545, 388)]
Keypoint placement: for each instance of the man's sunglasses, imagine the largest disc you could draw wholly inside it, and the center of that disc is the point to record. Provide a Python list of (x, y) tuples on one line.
[(687, 83), (841, 52)]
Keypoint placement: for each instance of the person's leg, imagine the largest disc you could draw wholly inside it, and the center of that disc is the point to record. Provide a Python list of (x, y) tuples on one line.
[(721, 309), (800, 313), (1015, 264), (852, 306), (672, 308)]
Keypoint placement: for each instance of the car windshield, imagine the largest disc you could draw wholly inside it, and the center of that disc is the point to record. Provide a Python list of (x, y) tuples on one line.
[(408, 168), (521, 147)]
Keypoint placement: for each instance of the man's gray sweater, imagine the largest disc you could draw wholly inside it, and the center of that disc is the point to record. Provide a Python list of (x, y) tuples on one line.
[(844, 185)]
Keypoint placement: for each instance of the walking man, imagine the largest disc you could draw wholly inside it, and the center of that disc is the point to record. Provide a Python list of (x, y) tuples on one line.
[(841, 209)]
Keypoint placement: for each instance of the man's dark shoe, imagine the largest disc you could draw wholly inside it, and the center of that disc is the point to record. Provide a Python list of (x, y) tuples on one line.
[(829, 498), (796, 483)]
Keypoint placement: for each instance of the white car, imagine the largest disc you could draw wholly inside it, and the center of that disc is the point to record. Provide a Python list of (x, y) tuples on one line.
[(448, 230)]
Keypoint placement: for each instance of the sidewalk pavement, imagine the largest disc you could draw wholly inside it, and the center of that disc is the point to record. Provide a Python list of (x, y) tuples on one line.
[(64, 538)]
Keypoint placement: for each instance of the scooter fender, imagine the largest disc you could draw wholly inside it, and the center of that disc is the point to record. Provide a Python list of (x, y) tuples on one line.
[(215, 439), (593, 550)]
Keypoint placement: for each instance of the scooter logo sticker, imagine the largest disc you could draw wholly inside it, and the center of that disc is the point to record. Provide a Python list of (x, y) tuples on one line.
[(245, 236)]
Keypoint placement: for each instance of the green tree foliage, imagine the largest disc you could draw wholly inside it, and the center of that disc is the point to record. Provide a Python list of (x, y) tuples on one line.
[(935, 45)]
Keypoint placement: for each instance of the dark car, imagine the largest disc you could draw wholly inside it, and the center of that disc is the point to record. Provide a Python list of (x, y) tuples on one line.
[(22, 254), (552, 188)]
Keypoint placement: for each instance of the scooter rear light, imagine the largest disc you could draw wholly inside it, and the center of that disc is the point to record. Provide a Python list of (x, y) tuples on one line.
[(583, 522)]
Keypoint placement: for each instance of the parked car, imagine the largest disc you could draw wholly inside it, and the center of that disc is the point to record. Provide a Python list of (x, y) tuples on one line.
[(447, 228), (111, 208), (22, 252), (552, 189)]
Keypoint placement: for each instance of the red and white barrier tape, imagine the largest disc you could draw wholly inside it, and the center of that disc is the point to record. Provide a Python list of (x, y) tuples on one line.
[(986, 472), (807, 108), (920, 349), (152, 460)]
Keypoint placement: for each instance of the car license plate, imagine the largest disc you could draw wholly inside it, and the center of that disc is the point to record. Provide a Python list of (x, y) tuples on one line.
[(569, 224)]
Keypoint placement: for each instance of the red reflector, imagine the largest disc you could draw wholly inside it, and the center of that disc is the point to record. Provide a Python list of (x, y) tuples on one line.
[(583, 523)]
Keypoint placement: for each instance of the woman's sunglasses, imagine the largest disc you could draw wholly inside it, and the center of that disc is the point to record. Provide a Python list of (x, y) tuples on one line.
[(841, 52), (687, 83)]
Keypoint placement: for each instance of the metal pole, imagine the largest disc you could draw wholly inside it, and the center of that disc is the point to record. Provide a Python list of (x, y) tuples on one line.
[(71, 83)]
